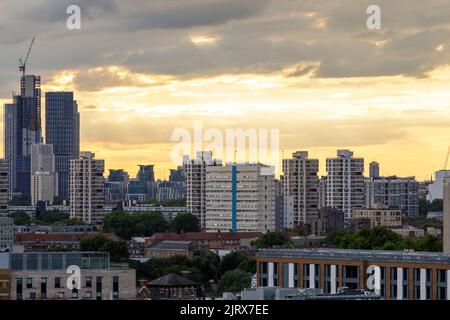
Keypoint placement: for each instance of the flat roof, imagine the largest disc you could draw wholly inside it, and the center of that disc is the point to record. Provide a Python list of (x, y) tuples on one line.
[(356, 255)]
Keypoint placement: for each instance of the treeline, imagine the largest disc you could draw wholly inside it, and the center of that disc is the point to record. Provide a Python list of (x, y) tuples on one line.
[(52, 217), (381, 238), (231, 273), (145, 224)]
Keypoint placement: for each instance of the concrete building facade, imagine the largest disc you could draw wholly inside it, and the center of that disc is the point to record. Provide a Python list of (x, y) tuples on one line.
[(195, 172), (44, 179), (345, 182), (380, 216), (6, 233), (4, 186), (86, 188), (240, 197), (301, 182)]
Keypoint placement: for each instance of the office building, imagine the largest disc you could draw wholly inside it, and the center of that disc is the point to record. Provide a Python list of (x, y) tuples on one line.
[(43, 276), (4, 186), (170, 190), (22, 128), (403, 275), (142, 188), (240, 197), (394, 192), (301, 182), (62, 130), (195, 171), (345, 182), (86, 188), (44, 179), (6, 233), (115, 186)]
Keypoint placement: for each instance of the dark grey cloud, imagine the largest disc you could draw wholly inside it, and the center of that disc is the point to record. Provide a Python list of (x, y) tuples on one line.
[(254, 36)]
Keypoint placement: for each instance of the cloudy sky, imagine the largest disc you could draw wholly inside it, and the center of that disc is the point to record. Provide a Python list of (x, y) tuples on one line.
[(311, 68)]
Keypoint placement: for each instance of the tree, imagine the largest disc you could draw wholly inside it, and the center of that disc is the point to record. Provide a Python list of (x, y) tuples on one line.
[(53, 216), (127, 225), (118, 250), (428, 243), (271, 239), (175, 203), (234, 281), (185, 222), (20, 218), (436, 205), (231, 261)]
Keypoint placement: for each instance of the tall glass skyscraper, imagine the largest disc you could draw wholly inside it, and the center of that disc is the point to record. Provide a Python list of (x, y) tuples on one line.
[(22, 130), (62, 130)]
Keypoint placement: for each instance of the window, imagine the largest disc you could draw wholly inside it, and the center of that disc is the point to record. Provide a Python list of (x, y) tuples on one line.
[(88, 282), (115, 293), (61, 295), (32, 296), (57, 282), (88, 295), (29, 283), (74, 293)]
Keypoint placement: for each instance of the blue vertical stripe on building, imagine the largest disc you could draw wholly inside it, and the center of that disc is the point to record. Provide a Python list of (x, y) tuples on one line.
[(233, 199)]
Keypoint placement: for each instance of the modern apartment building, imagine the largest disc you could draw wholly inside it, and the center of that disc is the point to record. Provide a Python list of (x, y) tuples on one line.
[(284, 212), (403, 275), (374, 169), (301, 182), (345, 182), (44, 179), (240, 197), (86, 188), (394, 192), (379, 216), (22, 128), (62, 130), (44, 276), (4, 186), (195, 172)]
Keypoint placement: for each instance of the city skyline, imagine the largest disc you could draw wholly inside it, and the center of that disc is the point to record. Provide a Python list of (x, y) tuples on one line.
[(263, 67)]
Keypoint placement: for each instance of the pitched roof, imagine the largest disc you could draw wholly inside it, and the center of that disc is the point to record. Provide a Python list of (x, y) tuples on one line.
[(172, 280), (203, 236)]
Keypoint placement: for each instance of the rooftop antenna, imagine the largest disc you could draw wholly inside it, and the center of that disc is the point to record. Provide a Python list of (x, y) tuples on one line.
[(23, 64), (446, 159)]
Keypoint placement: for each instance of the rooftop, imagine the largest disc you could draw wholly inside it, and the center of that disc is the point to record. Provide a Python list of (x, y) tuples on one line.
[(356, 255), (172, 280), (171, 245)]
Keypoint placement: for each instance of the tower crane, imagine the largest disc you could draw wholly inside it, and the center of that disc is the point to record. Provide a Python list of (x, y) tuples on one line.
[(446, 158), (23, 64)]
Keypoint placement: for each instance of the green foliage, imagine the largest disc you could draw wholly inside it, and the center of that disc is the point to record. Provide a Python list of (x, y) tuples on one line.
[(50, 217), (20, 218), (234, 281), (204, 268), (118, 250), (175, 203), (425, 206), (185, 222), (127, 225), (271, 239), (231, 261), (380, 238)]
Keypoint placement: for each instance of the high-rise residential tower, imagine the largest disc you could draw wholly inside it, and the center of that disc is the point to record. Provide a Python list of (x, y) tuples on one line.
[(22, 128), (345, 183), (44, 180), (195, 171), (302, 183), (4, 186), (240, 197), (62, 130), (87, 188), (374, 169)]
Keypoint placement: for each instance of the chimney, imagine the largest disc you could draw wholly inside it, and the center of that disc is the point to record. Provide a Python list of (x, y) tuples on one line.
[(186, 274)]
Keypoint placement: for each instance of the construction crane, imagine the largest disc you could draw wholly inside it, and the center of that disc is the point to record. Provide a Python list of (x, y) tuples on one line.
[(446, 159), (23, 64)]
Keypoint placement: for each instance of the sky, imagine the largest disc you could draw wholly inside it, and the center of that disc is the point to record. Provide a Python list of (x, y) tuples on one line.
[(141, 69)]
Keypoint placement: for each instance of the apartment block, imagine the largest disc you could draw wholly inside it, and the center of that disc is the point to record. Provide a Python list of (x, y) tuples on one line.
[(4, 186), (380, 216), (86, 188), (6, 233), (44, 179), (240, 197), (301, 182), (402, 275), (345, 182), (195, 172)]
